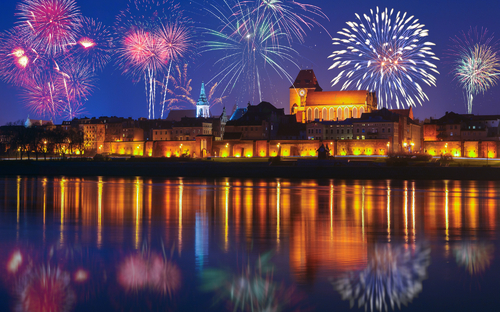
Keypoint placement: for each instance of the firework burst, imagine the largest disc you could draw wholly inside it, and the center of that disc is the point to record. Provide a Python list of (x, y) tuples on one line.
[(476, 63), (248, 44), (151, 36), (93, 46), (288, 16), (386, 53), (394, 273), (50, 24), (17, 58)]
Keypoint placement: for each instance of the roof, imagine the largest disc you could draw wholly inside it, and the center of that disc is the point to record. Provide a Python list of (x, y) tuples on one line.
[(306, 79), (177, 114), (238, 113), (338, 97), (403, 112), (381, 115)]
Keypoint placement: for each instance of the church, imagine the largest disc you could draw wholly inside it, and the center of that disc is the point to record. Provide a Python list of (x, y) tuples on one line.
[(308, 101)]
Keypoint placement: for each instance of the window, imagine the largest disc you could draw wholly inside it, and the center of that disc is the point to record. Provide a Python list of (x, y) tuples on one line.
[(363, 130), (357, 130), (388, 130), (362, 137), (342, 131), (337, 131)]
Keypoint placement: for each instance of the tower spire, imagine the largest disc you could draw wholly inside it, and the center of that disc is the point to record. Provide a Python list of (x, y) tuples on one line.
[(202, 106)]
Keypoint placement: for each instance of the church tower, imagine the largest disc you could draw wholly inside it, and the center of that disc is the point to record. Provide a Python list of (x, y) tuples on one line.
[(202, 106)]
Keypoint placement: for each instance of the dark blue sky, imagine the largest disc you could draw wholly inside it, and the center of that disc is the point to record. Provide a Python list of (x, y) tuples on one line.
[(117, 95)]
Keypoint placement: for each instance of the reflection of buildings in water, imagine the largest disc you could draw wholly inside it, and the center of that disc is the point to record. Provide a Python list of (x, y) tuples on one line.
[(393, 275), (328, 234), (201, 232), (474, 256)]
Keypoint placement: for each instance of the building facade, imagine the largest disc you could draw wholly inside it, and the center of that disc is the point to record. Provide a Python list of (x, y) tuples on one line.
[(308, 101)]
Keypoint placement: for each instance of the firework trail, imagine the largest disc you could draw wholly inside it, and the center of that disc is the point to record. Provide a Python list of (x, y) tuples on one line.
[(476, 63), (50, 24), (386, 53), (248, 43), (151, 37), (393, 273)]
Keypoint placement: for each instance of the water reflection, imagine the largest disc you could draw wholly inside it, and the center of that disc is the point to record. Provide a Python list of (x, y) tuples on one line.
[(476, 257), (392, 276), (86, 237)]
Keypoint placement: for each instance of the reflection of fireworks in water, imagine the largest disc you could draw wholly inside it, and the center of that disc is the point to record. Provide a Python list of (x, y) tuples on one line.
[(386, 54), (254, 289), (392, 273), (50, 24), (474, 256), (47, 289), (137, 272), (477, 64)]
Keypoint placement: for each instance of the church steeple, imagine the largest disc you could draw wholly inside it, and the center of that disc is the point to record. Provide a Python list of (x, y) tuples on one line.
[(202, 106)]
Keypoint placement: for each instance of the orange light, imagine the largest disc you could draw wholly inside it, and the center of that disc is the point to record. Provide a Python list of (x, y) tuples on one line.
[(86, 43), (18, 52), (81, 275), (15, 262), (23, 61)]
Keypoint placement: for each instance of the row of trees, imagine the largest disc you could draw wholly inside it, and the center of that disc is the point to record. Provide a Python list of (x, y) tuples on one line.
[(43, 140)]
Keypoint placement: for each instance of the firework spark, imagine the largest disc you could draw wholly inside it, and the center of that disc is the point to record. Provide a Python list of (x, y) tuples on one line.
[(476, 63), (50, 24), (393, 273), (249, 45), (386, 53)]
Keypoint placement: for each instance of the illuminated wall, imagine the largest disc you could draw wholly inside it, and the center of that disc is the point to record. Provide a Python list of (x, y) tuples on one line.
[(437, 148), (362, 147), (125, 148), (472, 149), (176, 148)]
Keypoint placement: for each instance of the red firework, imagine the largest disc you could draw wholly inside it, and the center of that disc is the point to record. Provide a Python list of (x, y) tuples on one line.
[(164, 275), (50, 24), (45, 290)]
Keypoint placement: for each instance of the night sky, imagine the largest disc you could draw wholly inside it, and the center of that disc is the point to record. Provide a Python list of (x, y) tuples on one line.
[(117, 95)]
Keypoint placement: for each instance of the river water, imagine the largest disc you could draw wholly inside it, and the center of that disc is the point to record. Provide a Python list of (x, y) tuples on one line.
[(142, 244)]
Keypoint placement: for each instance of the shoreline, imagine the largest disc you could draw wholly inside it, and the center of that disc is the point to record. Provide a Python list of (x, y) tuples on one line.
[(308, 169)]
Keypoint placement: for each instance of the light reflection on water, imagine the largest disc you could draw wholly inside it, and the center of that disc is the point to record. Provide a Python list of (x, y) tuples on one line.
[(141, 244)]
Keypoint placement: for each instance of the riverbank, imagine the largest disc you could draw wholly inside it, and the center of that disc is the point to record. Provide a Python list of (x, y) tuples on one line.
[(307, 169)]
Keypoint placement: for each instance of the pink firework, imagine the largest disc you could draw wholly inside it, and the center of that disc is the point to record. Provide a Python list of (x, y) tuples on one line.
[(141, 52), (93, 46), (17, 58), (176, 39), (44, 98), (47, 289), (50, 24)]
